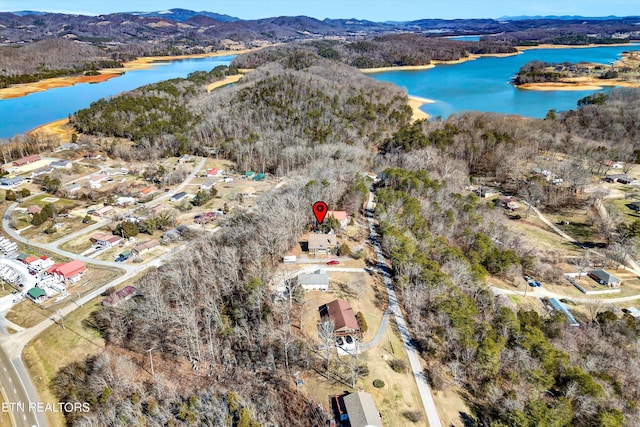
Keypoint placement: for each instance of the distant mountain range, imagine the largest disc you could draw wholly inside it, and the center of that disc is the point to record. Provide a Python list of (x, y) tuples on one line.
[(188, 31), (561, 18), (181, 15)]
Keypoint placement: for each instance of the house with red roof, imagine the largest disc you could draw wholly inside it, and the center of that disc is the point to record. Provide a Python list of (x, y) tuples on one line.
[(105, 239), (214, 172), (341, 216), (344, 319), (26, 160)]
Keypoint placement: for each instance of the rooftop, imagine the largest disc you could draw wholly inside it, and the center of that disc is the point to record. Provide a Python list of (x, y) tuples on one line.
[(362, 410)]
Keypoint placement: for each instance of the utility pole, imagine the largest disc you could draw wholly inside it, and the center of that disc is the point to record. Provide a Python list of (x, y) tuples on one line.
[(61, 319), (151, 362)]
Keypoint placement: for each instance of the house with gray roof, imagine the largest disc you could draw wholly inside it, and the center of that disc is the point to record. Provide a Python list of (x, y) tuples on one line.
[(316, 281), (361, 410), (605, 278)]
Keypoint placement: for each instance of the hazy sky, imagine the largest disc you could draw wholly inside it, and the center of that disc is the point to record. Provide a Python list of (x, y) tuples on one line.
[(377, 10)]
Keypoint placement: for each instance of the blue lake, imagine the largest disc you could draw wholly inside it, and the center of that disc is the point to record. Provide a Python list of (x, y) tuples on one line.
[(19, 115), (483, 84)]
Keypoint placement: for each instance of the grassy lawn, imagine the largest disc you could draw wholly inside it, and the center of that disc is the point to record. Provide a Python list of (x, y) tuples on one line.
[(624, 213), (538, 234), (40, 201), (5, 419), (56, 348), (65, 226)]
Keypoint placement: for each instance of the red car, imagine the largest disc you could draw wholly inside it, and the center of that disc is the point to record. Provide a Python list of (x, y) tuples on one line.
[(333, 262)]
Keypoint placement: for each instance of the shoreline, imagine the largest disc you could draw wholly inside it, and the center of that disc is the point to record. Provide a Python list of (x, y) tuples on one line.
[(58, 127), (142, 63), (590, 83), (415, 102), (226, 81), (571, 46)]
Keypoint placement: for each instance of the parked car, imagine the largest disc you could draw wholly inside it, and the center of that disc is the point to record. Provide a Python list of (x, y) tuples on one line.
[(333, 262)]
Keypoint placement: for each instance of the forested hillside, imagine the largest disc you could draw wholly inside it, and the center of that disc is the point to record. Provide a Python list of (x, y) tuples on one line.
[(382, 51), (264, 122), (321, 123), (50, 58)]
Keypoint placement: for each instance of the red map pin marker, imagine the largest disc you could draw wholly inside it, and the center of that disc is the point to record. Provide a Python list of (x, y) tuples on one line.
[(320, 211)]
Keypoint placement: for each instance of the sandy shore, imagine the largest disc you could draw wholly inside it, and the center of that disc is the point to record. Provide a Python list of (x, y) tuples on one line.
[(16, 91), (227, 80), (569, 46), (398, 68), (60, 128), (415, 102)]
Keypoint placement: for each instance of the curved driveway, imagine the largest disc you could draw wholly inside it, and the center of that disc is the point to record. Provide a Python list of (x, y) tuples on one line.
[(394, 308)]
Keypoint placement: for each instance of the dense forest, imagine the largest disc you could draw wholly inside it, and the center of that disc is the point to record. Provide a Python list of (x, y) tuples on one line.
[(320, 123), (516, 368), (50, 58), (381, 51)]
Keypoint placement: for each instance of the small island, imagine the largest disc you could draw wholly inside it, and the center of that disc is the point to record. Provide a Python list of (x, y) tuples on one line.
[(538, 75)]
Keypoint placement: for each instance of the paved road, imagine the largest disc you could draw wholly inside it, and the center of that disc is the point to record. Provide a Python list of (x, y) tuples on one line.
[(394, 308), (383, 327)]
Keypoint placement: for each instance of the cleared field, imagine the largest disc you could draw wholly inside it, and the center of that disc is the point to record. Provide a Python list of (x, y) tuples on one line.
[(56, 348)]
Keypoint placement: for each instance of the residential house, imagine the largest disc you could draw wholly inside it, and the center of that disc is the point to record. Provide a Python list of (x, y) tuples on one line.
[(121, 295), (92, 155), (145, 246), (41, 171), (95, 180), (316, 281), (37, 295), (26, 160), (61, 164), (34, 209), (341, 216), (70, 271), (158, 208), (125, 201), (507, 202), (208, 185), (74, 188), (343, 317), (104, 211), (11, 182), (179, 196), (613, 164), (105, 239), (116, 171), (185, 158), (605, 278), (359, 410), (322, 243), (72, 146), (623, 179), (484, 191), (214, 172), (147, 191)]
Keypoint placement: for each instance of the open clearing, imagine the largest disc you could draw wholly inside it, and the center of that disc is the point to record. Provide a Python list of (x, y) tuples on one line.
[(56, 348)]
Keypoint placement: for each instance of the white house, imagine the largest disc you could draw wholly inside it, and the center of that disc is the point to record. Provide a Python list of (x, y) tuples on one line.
[(316, 281), (208, 185), (60, 164)]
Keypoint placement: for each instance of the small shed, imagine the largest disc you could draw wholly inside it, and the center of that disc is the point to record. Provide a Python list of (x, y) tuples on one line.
[(37, 295)]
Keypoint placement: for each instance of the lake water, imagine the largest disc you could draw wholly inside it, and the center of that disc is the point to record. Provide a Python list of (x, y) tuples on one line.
[(19, 115), (483, 84)]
